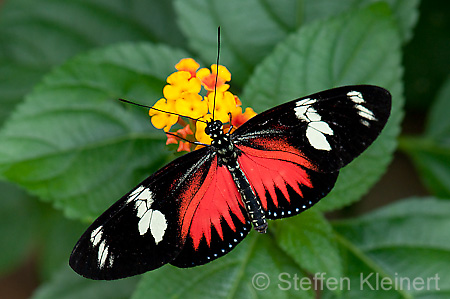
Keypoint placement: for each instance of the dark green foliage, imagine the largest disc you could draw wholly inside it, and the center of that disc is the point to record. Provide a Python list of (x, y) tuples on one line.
[(68, 142)]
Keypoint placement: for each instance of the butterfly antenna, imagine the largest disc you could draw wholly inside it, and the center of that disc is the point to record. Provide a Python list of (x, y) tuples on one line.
[(190, 141), (217, 70), (156, 109)]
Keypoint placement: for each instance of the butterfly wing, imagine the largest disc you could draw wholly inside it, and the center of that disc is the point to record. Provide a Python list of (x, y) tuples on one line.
[(292, 153), (143, 230), (218, 220), (188, 213), (329, 128), (286, 184)]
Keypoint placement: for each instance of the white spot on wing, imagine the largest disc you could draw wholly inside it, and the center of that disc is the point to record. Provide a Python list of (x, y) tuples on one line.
[(158, 226), (306, 102), (317, 139), (316, 129), (143, 200), (146, 194), (365, 122), (302, 107), (312, 115), (133, 194), (300, 112), (155, 221), (110, 260), (356, 97), (364, 112), (96, 235), (141, 207), (149, 219), (102, 253), (321, 126), (144, 222)]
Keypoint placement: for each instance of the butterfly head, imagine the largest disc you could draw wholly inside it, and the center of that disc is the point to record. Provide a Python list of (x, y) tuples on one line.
[(214, 128)]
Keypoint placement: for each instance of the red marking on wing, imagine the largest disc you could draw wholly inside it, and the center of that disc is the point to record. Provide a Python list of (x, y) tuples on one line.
[(267, 170), (215, 200), (277, 148)]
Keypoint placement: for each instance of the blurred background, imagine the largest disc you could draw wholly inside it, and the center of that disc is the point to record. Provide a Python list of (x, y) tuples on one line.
[(426, 62)]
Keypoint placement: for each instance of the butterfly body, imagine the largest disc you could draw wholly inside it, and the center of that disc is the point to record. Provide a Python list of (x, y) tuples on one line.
[(201, 205), (227, 155)]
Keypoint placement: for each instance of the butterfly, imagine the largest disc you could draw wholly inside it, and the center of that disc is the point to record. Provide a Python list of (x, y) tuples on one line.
[(201, 205)]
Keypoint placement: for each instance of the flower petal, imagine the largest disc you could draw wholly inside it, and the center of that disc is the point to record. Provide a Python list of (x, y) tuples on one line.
[(188, 65)]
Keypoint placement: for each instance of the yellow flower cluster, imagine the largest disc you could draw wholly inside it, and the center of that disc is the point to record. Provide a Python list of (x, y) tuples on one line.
[(182, 98)]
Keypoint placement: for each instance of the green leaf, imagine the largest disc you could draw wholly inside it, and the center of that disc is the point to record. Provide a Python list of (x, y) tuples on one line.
[(58, 237), (309, 240), (18, 220), (73, 143), (431, 152), (425, 57), (432, 161), (405, 12), (251, 270), (438, 122), (407, 239), (36, 35), (66, 284), (357, 47), (251, 29)]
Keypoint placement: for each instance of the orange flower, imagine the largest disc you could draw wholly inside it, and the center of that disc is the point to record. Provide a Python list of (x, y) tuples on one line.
[(184, 146), (163, 120), (223, 104), (185, 131), (208, 78), (182, 97), (191, 105), (200, 127), (188, 65), (240, 118), (180, 84), (171, 139)]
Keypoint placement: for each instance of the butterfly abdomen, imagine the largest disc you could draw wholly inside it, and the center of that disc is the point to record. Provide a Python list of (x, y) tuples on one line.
[(228, 155), (248, 196)]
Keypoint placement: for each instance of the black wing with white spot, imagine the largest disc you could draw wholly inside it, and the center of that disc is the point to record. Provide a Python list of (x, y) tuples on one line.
[(329, 128), (142, 230)]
